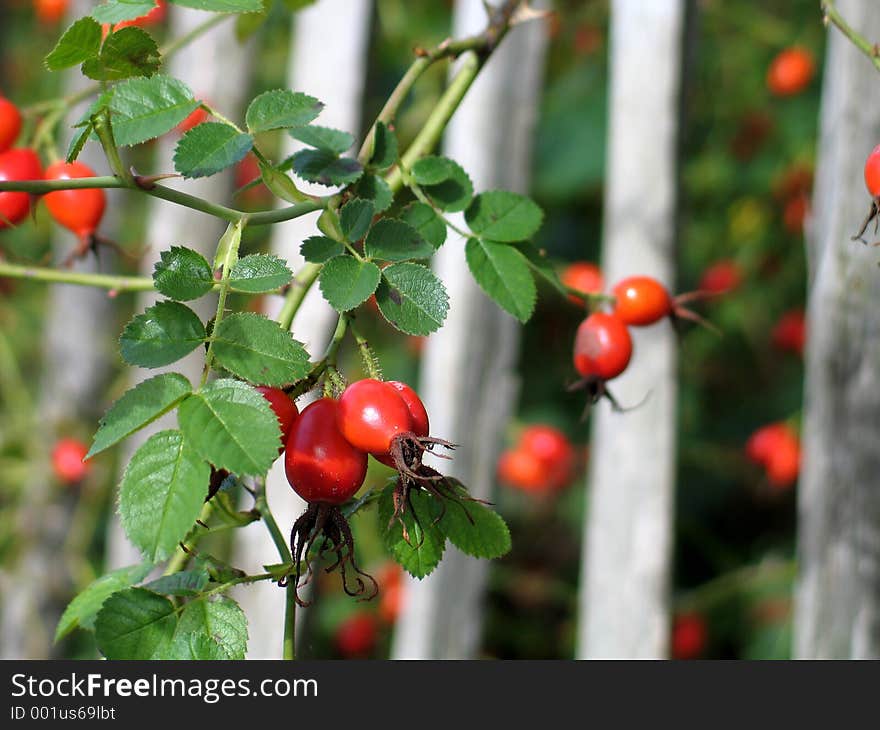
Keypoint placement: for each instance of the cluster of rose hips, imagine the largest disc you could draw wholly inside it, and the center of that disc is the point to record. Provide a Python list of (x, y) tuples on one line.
[(79, 211), (325, 459), (777, 449), (542, 461)]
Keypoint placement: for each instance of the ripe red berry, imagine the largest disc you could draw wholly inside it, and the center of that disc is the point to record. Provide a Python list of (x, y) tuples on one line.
[(721, 277), (553, 449), (790, 332), (521, 469), (67, 460), (321, 465), (151, 18), (689, 636), (776, 447), (50, 11), (602, 346), (77, 210), (10, 124), (195, 118), (762, 442), (584, 277), (285, 410), (641, 300), (417, 410), (17, 164), (872, 172), (356, 636), (790, 72), (371, 414)]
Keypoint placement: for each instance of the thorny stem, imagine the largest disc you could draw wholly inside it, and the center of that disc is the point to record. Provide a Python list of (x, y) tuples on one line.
[(832, 15)]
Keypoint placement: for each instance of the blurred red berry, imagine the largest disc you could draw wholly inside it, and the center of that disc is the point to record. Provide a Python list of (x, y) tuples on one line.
[(583, 276), (689, 636), (790, 332), (67, 460), (522, 470), (872, 172), (721, 277), (195, 118), (794, 214), (553, 449), (50, 11), (776, 447), (790, 72), (356, 636)]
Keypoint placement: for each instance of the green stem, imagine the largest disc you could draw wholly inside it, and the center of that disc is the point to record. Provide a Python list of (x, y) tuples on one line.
[(289, 641), (181, 557), (230, 257), (832, 15), (299, 287), (100, 281)]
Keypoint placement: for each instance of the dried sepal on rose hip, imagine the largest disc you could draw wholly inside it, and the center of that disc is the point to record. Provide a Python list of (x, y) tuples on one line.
[(326, 471)]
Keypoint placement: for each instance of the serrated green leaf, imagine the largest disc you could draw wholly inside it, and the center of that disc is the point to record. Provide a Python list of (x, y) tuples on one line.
[(355, 218), (210, 147), (161, 335), (346, 282), (247, 24), (135, 624), (325, 167), (318, 249), (210, 629), (80, 42), (161, 494), (259, 273), (334, 141), (281, 109), (396, 240), (474, 528), (280, 184), (232, 426), (541, 265), (412, 299), (138, 407), (429, 225), (375, 189), (499, 215), (421, 550), (125, 53), (384, 147), (115, 11), (257, 349), (444, 182), (222, 6), (82, 610), (145, 108), (184, 583), (182, 274), (503, 273)]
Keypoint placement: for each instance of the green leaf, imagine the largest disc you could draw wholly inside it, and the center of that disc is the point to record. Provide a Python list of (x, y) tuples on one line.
[(384, 148), (161, 494), (77, 142), (374, 188), (318, 249), (355, 218), (474, 528), (80, 42), (412, 299), (280, 184), (184, 583), (421, 552), (210, 147), (140, 406), (210, 629), (395, 240), (257, 349), (503, 273), (115, 11), (82, 610), (249, 23), (334, 141), (135, 624), (86, 124), (429, 225), (502, 216), (182, 274), (126, 52), (281, 109), (144, 108), (444, 182), (346, 282), (232, 426), (222, 6), (259, 273), (325, 167), (161, 335), (541, 265)]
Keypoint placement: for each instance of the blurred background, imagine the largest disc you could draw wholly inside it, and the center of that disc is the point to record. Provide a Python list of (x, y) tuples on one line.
[(721, 147)]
